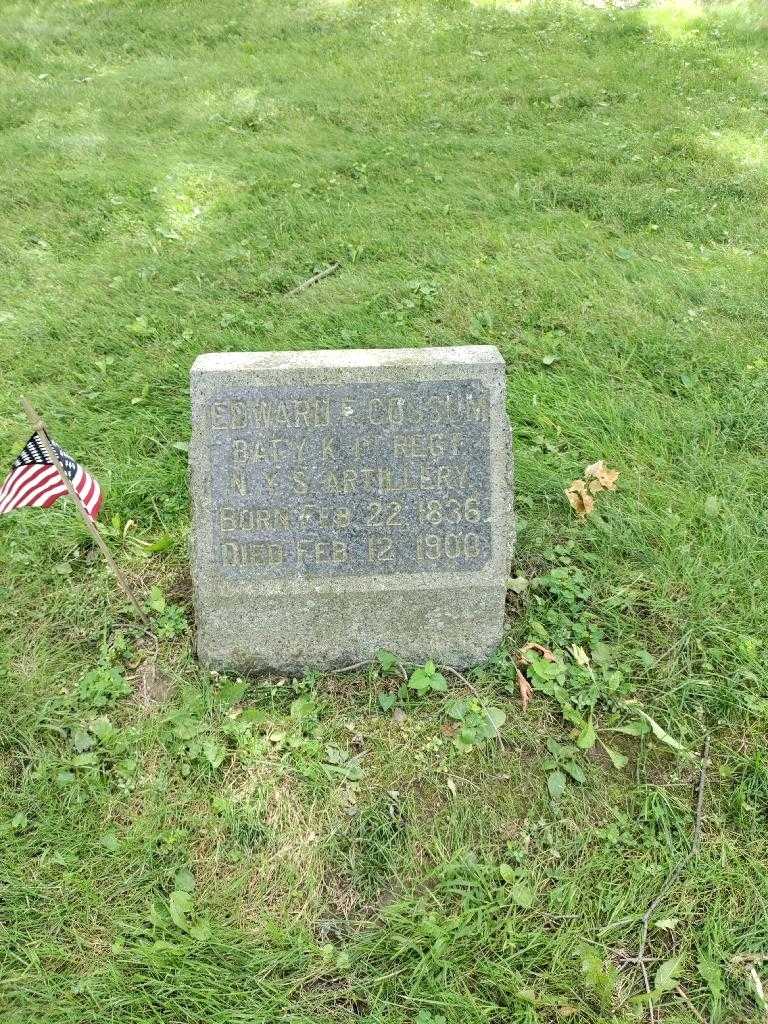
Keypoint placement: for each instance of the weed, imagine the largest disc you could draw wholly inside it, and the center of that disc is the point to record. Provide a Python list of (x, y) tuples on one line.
[(170, 619), (426, 680), (478, 722), (102, 686)]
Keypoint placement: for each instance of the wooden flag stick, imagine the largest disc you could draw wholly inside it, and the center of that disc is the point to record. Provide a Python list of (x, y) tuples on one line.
[(40, 428)]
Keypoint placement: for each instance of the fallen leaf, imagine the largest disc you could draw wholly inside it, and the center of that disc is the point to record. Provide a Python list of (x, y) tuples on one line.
[(398, 716), (545, 652), (451, 785), (580, 499), (600, 473), (526, 690)]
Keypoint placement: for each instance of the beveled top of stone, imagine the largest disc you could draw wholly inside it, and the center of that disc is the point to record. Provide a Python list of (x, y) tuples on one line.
[(339, 359)]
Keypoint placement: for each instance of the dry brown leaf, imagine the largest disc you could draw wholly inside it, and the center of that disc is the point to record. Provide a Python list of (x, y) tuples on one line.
[(599, 473), (545, 652), (580, 499), (526, 690)]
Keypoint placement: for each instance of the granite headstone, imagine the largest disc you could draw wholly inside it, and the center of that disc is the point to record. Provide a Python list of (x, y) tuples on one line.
[(348, 501)]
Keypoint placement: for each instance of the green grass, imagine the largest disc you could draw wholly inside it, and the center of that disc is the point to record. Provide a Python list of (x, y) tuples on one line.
[(555, 180)]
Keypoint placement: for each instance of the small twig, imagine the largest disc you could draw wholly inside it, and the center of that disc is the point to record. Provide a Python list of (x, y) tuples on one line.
[(648, 990), (314, 279), (462, 679), (672, 877), (684, 996), (351, 668), (366, 664)]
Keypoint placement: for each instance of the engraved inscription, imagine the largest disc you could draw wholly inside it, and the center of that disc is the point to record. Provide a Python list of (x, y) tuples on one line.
[(353, 479)]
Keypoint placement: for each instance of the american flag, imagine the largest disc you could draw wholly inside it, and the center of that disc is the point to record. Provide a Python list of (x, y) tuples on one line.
[(34, 482)]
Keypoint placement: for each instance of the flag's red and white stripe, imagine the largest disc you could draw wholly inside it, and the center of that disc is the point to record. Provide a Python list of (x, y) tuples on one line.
[(35, 483)]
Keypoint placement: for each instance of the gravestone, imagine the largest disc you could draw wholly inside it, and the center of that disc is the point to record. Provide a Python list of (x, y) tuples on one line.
[(345, 502)]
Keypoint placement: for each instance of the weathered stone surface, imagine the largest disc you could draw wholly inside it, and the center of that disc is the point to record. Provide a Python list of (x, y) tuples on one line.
[(349, 501)]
